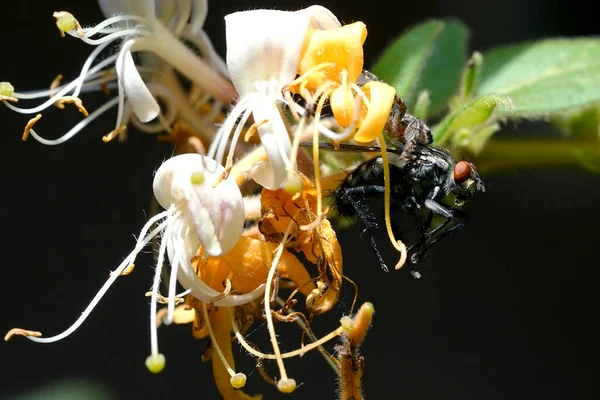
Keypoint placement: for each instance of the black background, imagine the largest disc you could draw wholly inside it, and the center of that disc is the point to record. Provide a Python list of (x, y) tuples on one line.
[(506, 309)]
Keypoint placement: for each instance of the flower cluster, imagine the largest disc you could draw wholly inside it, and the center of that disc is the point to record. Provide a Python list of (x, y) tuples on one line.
[(233, 252)]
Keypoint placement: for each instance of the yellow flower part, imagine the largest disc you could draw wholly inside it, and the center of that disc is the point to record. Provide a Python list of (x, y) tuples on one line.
[(246, 266), (330, 64), (381, 99), (316, 239), (339, 50)]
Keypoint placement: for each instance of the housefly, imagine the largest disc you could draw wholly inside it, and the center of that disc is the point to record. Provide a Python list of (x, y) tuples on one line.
[(425, 182)]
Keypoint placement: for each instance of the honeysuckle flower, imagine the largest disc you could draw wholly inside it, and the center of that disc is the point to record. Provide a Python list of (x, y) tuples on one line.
[(330, 64), (243, 268), (198, 214), (147, 27), (263, 49)]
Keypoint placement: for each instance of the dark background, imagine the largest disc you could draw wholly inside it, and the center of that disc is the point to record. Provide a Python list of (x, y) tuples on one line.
[(506, 309)]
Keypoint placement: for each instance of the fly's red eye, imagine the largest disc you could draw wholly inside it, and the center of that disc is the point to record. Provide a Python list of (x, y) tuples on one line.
[(462, 171)]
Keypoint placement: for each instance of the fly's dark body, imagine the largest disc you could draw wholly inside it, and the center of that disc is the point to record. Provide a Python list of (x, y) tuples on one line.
[(424, 181)]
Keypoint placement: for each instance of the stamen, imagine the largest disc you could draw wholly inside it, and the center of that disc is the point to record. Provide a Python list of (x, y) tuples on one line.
[(60, 103), (238, 380), (236, 136), (100, 28), (160, 299), (8, 98), (357, 89), (54, 84), (285, 385), (296, 353), (126, 271), (304, 77), (317, 221), (219, 143), (199, 13), (153, 361), (145, 238), (398, 244), (79, 126), (21, 332), (317, 164), (173, 286), (291, 170), (113, 134), (29, 126)]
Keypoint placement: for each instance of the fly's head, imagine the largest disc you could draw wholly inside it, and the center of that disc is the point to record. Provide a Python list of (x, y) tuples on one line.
[(467, 181)]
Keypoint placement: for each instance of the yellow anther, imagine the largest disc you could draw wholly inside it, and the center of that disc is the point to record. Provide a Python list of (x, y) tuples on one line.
[(21, 332), (60, 103), (29, 126), (113, 134)]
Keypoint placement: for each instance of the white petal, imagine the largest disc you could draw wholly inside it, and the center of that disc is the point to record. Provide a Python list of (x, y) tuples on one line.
[(190, 281), (143, 103), (265, 44), (141, 8), (216, 215), (276, 141)]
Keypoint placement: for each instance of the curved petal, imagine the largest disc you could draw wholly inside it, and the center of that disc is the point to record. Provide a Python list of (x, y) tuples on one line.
[(145, 8), (342, 47), (265, 44), (381, 98), (143, 103), (216, 213), (201, 291), (276, 141)]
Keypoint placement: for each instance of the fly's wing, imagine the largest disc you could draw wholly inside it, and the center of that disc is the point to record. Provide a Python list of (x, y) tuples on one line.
[(397, 149)]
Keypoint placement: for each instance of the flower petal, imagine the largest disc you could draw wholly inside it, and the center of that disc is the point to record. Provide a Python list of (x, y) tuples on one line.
[(265, 44), (276, 141), (143, 103), (216, 213), (381, 98), (143, 9), (343, 47)]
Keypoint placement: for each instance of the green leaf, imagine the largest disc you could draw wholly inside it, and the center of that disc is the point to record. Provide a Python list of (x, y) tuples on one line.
[(544, 77), (474, 114), (584, 123), (428, 57)]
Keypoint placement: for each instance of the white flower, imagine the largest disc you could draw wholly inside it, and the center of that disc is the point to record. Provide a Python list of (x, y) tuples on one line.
[(263, 49), (141, 26), (197, 214)]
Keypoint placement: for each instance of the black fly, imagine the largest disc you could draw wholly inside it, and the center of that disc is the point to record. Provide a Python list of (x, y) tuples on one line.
[(424, 181)]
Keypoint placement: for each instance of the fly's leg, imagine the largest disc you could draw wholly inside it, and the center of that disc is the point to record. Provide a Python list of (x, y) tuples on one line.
[(358, 196), (454, 219)]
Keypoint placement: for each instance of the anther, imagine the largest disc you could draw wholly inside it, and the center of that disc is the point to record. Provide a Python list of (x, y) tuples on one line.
[(29, 126), (21, 332)]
